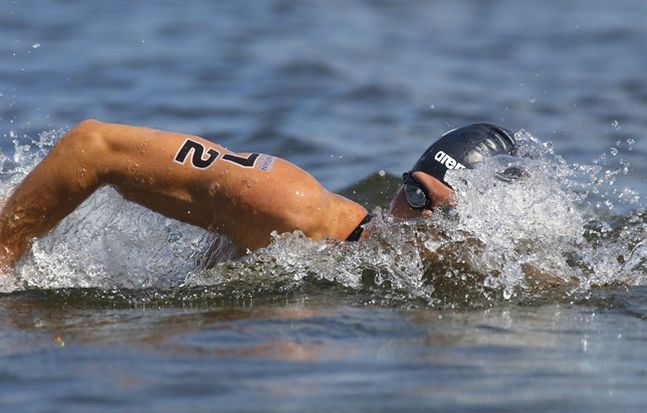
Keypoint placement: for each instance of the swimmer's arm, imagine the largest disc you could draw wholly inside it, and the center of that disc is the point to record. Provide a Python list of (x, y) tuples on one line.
[(137, 162), (543, 281), (53, 189), (246, 204)]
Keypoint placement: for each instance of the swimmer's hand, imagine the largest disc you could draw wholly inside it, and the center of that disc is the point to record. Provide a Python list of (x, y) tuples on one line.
[(539, 280), (455, 257)]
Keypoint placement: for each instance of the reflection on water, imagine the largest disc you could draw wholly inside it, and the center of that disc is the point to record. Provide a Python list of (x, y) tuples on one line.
[(312, 351), (279, 331)]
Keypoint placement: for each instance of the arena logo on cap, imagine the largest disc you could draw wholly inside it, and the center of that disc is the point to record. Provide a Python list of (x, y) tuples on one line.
[(448, 161)]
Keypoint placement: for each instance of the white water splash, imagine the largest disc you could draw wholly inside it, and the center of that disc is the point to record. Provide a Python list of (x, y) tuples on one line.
[(554, 222), (506, 238), (107, 242)]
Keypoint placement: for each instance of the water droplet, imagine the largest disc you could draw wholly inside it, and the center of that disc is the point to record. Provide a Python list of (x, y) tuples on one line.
[(381, 172), (59, 341), (613, 151), (615, 124), (35, 45)]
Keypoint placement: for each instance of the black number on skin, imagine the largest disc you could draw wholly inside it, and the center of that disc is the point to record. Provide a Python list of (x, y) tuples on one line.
[(247, 162), (198, 153)]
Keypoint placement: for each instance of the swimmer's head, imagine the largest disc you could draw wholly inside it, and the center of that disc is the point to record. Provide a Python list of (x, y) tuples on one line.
[(465, 147), (459, 148)]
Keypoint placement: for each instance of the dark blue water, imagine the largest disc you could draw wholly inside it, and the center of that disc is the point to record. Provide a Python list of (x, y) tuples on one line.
[(115, 311)]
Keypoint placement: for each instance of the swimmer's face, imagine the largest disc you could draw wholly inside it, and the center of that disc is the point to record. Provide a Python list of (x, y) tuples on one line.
[(439, 194)]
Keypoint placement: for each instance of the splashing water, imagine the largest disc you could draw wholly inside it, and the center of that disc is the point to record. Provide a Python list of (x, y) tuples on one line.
[(546, 228), (107, 242), (548, 231)]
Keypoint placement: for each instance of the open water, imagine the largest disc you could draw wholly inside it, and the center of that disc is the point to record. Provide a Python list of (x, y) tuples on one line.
[(121, 310)]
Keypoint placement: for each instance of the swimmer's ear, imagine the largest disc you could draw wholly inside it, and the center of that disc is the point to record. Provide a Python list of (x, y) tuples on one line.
[(511, 174)]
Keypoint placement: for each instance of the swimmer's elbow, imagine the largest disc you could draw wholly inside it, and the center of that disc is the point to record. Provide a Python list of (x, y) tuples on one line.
[(86, 138), (88, 124), (85, 130)]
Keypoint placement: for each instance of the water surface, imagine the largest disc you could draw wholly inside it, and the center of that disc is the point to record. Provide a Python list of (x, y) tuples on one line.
[(119, 309)]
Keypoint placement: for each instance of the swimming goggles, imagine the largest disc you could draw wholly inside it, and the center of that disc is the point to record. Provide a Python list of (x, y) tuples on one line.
[(414, 193)]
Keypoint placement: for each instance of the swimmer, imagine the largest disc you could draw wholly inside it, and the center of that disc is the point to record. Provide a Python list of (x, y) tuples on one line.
[(244, 196)]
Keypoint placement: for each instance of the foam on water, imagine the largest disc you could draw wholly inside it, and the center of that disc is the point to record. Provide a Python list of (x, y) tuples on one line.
[(548, 227), (549, 232), (560, 229)]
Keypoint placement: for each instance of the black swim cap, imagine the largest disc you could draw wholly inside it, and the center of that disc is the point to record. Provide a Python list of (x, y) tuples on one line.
[(464, 148)]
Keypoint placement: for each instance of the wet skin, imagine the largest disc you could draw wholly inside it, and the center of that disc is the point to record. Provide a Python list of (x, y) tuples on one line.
[(439, 193), (200, 186)]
